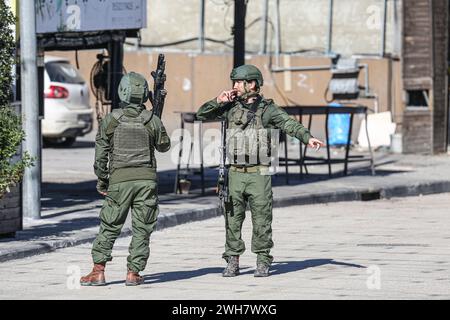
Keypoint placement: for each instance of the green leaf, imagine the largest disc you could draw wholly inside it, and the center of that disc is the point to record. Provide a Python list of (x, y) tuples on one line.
[(11, 133)]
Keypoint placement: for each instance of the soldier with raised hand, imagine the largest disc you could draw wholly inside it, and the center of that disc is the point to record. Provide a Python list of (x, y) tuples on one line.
[(248, 113), (125, 165)]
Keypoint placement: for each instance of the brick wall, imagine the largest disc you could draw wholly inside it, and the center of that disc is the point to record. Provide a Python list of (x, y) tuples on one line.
[(440, 69), (417, 131), (424, 64), (11, 211)]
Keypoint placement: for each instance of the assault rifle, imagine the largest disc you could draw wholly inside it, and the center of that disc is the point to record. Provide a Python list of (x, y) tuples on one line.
[(159, 93), (222, 183)]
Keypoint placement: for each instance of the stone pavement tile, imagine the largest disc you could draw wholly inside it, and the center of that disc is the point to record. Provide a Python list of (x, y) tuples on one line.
[(326, 264)]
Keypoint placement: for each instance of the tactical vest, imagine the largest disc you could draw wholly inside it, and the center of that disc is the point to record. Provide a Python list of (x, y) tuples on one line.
[(247, 140), (132, 147)]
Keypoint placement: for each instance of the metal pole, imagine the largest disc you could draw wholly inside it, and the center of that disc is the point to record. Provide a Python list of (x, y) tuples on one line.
[(396, 6), (201, 38), (30, 111), (115, 49), (383, 30), (330, 27), (15, 28), (277, 35), (309, 68), (263, 49), (240, 7)]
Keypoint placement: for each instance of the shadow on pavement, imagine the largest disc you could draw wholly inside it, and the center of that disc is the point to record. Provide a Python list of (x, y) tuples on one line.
[(83, 144), (277, 268), (281, 267), (61, 195), (279, 179), (64, 195), (54, 230), (175, 275), (77, 145)]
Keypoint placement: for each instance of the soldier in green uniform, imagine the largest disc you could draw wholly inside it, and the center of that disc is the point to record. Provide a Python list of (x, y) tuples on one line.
[(125, 165), (248, 114)]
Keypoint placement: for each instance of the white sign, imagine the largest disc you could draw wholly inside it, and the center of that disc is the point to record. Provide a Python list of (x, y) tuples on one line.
[(89, 15)]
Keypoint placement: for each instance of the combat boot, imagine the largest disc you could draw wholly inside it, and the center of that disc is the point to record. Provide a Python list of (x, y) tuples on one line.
[(133, 279), (232, 268), (262, 270), (96, 277)]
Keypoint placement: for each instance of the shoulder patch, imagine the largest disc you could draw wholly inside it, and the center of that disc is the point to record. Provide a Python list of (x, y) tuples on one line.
[(112, 125), (146, 116), (117, 114), (266, 104), (268, 101)]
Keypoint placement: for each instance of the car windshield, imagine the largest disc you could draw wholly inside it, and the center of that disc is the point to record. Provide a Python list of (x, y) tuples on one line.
[(61, 71)]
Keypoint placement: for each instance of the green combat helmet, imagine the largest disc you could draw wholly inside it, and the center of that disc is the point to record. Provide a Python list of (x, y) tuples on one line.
[(247, 72), (133, 89)]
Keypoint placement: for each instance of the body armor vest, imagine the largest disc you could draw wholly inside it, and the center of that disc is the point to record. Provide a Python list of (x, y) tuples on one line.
[(132, 147), (247, 140)]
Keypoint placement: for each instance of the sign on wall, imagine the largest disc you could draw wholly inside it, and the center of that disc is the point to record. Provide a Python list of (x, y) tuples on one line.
[(89, 15)]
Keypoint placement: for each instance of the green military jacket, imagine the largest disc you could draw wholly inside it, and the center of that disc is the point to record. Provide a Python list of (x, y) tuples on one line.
[(273, 117), (104, 144)]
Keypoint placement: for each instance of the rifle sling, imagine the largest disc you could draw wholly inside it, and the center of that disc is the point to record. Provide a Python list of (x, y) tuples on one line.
[(252, 112)]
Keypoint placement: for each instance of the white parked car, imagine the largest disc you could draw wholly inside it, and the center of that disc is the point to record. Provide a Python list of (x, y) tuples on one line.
[(67, 113)]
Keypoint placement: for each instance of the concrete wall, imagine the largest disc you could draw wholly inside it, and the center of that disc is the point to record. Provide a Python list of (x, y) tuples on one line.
[(193, 79), (357, 25)]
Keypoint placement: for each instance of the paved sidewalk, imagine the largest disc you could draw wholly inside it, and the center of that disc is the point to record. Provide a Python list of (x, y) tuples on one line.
[(386, 249), (70, 211)]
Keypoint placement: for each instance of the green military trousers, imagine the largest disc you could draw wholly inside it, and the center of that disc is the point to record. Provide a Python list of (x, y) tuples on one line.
[(142, 197), (256, 190)]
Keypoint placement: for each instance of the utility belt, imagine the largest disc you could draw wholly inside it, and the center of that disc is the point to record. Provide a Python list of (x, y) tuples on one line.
[(248, 169)]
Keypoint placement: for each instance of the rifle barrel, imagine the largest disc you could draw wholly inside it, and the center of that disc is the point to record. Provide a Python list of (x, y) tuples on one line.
[(159, 93)]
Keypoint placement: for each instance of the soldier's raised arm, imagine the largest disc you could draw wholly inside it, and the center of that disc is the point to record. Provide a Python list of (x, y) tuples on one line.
[(281, 120), (216, 109)]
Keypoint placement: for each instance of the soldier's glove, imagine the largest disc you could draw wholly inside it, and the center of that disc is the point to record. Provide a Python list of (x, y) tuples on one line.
[(102, 186)]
